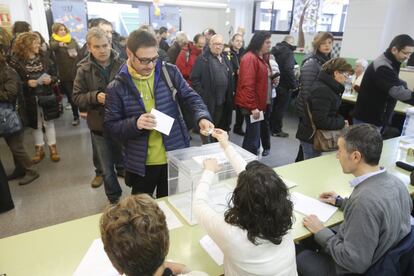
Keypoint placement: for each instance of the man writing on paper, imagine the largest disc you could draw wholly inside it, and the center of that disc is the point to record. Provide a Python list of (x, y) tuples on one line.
[(140, 86), (376, 215)]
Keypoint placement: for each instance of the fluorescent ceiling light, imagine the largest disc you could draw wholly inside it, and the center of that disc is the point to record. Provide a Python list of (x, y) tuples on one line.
[(188, 3)]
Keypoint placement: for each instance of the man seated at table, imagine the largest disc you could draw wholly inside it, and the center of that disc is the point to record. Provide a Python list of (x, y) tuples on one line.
[(136, 239), (376, 215)]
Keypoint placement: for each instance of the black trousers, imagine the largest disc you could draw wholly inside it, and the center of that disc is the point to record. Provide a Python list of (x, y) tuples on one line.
[(217, 121), (280, 105), (6, 201), (155, 177), (238, 124), (22, 161), (67, 89)]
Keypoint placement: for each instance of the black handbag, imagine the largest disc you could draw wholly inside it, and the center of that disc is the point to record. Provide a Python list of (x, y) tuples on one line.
[(10, 122), (50, 106)]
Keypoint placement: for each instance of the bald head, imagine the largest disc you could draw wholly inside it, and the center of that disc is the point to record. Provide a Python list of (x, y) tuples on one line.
[(216, 44)]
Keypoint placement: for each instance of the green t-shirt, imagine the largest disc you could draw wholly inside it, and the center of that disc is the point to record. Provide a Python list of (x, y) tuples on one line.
[(156, 154)]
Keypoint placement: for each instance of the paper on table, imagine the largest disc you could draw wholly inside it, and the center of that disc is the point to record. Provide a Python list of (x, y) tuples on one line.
[(289, 184), (261, 118), (220, 156), (212, 249), (164, 122), (172, 220), (96, 262), (309, 206)]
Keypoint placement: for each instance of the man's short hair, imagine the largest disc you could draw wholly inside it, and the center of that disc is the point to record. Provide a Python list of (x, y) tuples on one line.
[(209, 31), (139, 39), (95, 22), (181, 38), (197, 37), (367, 140), (401, 41), (98, 33), (163, 30), (135, 235)]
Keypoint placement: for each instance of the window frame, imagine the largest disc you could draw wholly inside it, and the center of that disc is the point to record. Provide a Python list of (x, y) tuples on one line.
[(272, 20), (254, 30)]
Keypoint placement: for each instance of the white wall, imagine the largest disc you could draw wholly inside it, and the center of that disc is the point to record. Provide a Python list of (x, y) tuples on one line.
[(371, 25), (36, 17), (195, 20), (19, 9)]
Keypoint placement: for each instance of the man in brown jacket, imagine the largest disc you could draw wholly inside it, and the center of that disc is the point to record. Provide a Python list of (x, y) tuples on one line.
[(94, 73)]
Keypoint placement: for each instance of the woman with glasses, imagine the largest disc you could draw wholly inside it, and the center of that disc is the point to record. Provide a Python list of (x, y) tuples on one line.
[(323, 104)]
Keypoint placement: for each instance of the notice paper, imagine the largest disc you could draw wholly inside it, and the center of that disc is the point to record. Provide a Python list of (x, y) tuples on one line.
[(172, 220), (212, 249), (164, 122), (261, 118), (96, 262), (309, 206)]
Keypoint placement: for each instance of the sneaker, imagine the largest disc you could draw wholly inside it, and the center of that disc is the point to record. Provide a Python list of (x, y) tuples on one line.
[(113, 201), (68, 107), (29, 177), (15, 175), (75, 122), (97, 181), (280, 134), (266, 152)]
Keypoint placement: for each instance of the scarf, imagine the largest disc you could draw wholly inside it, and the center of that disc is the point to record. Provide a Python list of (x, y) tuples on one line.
[(65, 39), (135, 75)]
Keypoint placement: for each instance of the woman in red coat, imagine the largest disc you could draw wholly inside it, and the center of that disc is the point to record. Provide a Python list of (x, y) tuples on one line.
[(254, 93)]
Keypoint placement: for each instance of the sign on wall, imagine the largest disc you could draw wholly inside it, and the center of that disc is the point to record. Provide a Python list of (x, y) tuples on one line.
[(72, 13)]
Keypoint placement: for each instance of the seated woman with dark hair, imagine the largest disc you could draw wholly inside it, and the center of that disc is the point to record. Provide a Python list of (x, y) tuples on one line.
[(254, 233)]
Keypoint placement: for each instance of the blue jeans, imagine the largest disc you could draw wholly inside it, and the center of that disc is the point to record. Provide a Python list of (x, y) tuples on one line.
[(105, 152), (308, 151)]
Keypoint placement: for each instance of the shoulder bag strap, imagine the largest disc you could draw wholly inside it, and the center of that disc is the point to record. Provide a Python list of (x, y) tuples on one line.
[(170, 85), (311, 120)]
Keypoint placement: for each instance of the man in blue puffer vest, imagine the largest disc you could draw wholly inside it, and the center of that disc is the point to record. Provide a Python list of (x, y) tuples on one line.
[(139, 87)]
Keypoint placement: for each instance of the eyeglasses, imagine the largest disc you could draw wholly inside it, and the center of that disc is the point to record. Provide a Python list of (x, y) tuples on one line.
[(146, 61), (218, 44), (406, 53), (345, 74)]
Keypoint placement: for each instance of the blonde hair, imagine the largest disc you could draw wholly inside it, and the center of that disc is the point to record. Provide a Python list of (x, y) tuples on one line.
[(56, 26)]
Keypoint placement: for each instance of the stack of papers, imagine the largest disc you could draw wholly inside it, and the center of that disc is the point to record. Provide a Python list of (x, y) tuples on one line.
[(212, 249), (309, 206)]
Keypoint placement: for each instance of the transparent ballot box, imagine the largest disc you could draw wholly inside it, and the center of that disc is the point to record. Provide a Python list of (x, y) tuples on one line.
[(185, 167)]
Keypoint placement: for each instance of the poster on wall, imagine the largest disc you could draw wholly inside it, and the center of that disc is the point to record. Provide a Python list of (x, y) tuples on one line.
[(72, 13), (5, 18)]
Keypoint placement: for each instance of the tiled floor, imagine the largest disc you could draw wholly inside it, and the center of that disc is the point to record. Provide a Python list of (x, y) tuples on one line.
[(63, 190)]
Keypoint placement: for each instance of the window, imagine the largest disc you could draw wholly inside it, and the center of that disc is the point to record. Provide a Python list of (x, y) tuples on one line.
[(283, 16), (332, 16), (274, 16)]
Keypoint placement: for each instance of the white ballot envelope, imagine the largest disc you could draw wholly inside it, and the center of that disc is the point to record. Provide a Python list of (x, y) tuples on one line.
[(164, 122), (261, 118)]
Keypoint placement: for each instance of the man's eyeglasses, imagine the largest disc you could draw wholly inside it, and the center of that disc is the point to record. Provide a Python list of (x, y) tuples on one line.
[(146, 61), (345, 74)]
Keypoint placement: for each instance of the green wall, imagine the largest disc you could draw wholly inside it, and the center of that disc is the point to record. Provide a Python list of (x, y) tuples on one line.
[(299, 58)]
